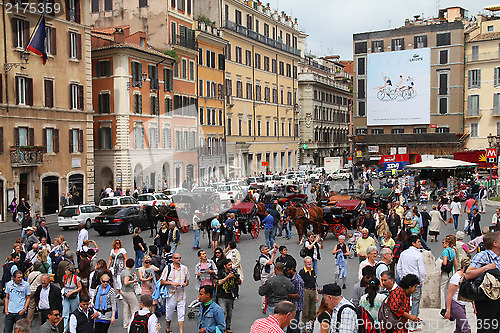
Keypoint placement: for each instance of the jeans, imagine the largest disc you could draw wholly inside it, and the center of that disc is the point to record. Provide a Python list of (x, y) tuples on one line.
[(455, 220), (23, 235), (196, 238), (268, 233), (10, 320), (227, 305), (461, 322), (69, 305), (280, 229), (315, 266), (173, 247), (139, 254), (20, 216), (274, 231), (415, 301), (288, 229), (161, 307)]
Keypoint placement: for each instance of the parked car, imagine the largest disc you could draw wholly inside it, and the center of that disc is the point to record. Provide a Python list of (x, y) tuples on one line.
[(153, 199), (72, 216), (174, 191), (121, 219), (118, 201), (228, 192), (340, 174)]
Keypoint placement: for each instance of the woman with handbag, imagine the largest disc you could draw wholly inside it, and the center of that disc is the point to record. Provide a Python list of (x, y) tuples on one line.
[(116, 262), (105, 303), (395, 311), (71, 287), (454, 307), (130, 287), (447, 265), (147, 276)]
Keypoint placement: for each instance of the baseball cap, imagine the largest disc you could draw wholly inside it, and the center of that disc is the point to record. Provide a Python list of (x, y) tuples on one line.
[(331, 289), (290, 264)]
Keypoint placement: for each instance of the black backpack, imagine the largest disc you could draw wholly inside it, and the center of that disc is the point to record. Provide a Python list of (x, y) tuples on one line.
[(257, 269), (140, 323)]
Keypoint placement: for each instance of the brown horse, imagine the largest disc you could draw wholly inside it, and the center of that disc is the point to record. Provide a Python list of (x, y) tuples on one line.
[(302, 218)]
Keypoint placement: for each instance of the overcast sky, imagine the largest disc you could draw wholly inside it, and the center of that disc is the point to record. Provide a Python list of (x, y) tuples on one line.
[(330, 24)]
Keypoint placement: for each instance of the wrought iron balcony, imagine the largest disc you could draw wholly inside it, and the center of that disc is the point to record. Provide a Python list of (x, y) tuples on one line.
[(26, 156), (184, 41)]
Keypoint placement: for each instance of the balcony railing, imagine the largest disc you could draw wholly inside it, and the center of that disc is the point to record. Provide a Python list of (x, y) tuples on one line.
[(260, 38), (26, 156), (496, 111), (186, 42), (472, 112)]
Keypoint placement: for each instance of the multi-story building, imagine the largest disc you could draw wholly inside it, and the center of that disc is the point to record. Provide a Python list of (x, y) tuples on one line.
[(324, 100), (409, 86), (138, 126), (46, 145), (168, 27), (483, 80), (211, 112), (261, 84)]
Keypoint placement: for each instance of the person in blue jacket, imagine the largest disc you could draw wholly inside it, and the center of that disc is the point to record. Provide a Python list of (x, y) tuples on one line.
[(211, 316)]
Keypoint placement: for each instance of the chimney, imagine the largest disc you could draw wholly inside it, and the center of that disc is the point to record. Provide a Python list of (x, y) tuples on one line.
[(118, 35)]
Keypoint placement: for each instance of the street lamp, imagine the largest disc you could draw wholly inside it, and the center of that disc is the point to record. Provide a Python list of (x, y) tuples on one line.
[(8, 66)]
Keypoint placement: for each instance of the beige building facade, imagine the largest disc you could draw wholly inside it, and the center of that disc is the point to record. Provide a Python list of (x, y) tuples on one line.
[(325, 100), (261, 82), (483, 81), (46, 143)]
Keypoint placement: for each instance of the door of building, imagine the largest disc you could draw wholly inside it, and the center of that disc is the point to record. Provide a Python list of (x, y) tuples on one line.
[(3, 212), (23, 186), (75, 187), (50, 194)]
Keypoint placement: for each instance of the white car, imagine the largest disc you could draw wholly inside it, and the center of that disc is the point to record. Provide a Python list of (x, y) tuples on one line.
[(174, 191), (272, 180), (341, 174), (242, 183), (228, 192), (72, 216), (106, 203), (153, 199)]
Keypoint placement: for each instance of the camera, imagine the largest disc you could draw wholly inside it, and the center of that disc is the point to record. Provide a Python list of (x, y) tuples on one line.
[(236, 275)]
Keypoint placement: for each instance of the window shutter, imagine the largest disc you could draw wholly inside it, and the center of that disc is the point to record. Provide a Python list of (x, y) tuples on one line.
[(110, 138), (78, 46), (100, 104), (53, 41), (495, 102), (26, 32), (495, 81), (165, 83), (70, 140), (108, 68), (1, 88), (16, 136), (44, 134), (31, 136), (1, 140), (77, 11), (139, 74), (29, 91), (170, 80), (68, 15), (49, 93), (469, 79), (479, 78), (213, 60), (56, 140), (469, 103), (80, 141), (100, 132), (17, 90), (151, 79), (157, 105), (98, 69), (222, 62), (80, 97), (134, 73), (140, 104), (14, 32)]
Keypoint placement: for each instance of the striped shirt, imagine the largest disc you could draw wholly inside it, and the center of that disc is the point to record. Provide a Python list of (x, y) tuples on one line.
[(266, 325), (180, 276)]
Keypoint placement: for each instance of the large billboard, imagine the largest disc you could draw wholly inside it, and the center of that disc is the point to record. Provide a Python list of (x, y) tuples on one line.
[(398, 87)]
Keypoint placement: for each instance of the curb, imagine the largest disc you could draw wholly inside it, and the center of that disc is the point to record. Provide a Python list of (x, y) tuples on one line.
[(492, 203), (17, 227)]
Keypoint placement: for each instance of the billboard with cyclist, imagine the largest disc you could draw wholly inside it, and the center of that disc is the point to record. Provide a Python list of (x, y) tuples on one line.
[(398, 87)]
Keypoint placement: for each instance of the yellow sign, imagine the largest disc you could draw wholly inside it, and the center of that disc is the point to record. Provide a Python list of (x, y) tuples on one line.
[(359, 153)]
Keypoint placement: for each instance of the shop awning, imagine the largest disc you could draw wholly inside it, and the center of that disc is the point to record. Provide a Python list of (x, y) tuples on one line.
[(442, 163)]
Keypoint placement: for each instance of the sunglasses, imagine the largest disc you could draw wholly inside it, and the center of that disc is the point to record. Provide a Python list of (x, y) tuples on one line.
[(56, 314), (176, 258), (147, 262), (218, 252), (105, 281)]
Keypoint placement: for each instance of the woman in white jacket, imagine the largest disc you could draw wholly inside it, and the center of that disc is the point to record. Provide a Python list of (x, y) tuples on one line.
[(231, 252)]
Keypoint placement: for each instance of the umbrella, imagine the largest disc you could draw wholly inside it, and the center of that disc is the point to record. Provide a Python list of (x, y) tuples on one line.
[(442, 163)]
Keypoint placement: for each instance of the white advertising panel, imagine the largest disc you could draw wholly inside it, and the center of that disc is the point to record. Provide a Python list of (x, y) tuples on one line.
[(398, 87)]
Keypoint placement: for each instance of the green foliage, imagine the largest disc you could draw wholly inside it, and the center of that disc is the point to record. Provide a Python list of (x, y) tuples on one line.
[(204, 19), (172, 54)]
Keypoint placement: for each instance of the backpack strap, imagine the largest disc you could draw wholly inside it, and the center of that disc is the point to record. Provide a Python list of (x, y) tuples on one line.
[(339, 314)]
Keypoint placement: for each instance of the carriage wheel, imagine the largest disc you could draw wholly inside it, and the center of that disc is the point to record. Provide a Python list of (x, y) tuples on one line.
[(237, 236), (184, 225), (255, 224), (340, 230)]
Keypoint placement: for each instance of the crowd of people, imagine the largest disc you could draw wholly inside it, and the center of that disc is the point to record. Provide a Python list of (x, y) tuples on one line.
[(79, 290)]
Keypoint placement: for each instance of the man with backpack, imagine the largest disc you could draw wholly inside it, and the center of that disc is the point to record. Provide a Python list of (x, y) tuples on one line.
[(344, 317), (264, 268), (143, 321)]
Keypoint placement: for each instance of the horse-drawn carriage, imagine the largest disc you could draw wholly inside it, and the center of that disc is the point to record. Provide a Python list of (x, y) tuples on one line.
[(246, 219), (379, 199), (185, 205), (340, 217)]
